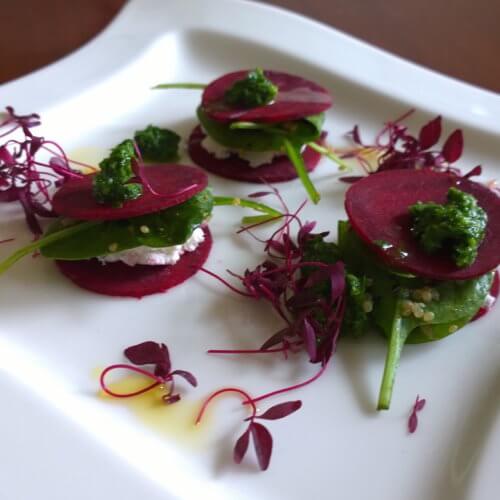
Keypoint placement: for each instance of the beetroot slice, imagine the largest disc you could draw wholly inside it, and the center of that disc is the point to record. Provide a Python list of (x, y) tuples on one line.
[(120, 280), (173, 183), (296, 98), (280, 169), (377, 207)]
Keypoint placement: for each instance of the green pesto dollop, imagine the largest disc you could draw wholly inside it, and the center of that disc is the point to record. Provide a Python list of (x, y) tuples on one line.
[(250, 92), (110, 185), (158, 144), (457, 227)]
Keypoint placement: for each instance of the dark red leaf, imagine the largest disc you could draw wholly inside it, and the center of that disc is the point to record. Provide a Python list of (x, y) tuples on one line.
[(169, 400), (260, 194), (263, 443), (453, 147), (477, 170), (413, 419), (187, 376), (241, 446), (281, 410), (430, 133), (310, 339), (148, 352)]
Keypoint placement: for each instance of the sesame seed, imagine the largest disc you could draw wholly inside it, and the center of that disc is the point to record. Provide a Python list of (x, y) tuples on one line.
[(428, 316), (418, 312), (367, 305), (144, 229), (113, 247), (426, 294), (406, 308), (452, 328)]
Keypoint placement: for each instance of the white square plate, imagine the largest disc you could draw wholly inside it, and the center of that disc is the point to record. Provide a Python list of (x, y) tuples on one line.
[(59, 441)]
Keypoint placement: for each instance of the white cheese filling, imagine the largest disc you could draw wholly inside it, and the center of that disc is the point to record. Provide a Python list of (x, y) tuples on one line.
[(149, 256), (254, 158)]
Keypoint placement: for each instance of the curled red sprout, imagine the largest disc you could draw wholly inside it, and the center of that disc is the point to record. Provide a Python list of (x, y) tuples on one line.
[(248, 400), (107, 390), (292, 387)]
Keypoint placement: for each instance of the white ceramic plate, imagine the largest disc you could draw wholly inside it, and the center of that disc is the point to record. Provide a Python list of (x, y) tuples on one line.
[(60, 441)]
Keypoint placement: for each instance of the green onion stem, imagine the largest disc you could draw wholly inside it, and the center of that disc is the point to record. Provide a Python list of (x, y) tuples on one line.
[(197, 86), (298, 162), (329, 154), (50, 238)]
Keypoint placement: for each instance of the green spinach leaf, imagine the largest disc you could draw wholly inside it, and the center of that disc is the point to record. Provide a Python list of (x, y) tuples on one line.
[(249, 136), (168, 227)]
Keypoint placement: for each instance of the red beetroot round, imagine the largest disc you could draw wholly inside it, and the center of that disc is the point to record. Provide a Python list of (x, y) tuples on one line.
[(173, 184), (279, 170), (296, 98), (120, 280), (377, 207)]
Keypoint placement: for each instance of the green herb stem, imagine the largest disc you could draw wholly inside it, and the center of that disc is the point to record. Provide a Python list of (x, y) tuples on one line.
[(329, 154), (296, 158), (257, 126), (188, 86), (51, 238), (271, 213), (396, 342)]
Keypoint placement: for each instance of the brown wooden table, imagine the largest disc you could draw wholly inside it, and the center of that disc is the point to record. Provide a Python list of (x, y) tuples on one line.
[(460, 38)]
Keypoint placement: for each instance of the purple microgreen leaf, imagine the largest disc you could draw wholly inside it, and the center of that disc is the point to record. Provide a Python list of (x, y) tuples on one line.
[(281, 410), (351, 179), (413, 419), (274, 340), (309, 339), (188, 376), (263, 444), (149, 352), (453, 147), (430, 133), (241, 446), (260, 194), (171, 399), (477, 170)]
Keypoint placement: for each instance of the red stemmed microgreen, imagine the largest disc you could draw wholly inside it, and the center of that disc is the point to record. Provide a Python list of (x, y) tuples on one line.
[(307, 294), (396, 148), (149, 353), (261, 437), (413, 419), (24, 177)]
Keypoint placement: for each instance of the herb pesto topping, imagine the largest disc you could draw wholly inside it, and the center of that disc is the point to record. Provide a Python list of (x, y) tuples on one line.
[(253, 91), (157, 144), (110, 185), (457, 226)]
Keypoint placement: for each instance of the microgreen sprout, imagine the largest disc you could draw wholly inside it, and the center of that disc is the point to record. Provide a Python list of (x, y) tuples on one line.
[(262, 439), (413, 418), (395, 147), (24, 176), (149, 353)]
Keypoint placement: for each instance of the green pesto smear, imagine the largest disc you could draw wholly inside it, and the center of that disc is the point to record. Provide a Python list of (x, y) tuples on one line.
[(111, 185), (250, 92), (456, 227)]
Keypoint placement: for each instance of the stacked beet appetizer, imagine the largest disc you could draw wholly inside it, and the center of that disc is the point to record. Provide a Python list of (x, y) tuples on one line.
[(260, 126), (129, 229)]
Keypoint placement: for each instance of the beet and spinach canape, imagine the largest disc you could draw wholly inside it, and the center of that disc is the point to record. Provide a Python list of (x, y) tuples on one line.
[(133, 230), (421, 248), (260, 126)]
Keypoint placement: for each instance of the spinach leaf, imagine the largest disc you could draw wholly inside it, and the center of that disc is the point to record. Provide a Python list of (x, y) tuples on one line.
[(455, 304), (249, 136), (171, 226), (158, 144)]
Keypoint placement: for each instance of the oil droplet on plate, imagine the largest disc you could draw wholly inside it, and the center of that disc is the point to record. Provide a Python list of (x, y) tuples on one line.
[(90, 156), (174, 421)]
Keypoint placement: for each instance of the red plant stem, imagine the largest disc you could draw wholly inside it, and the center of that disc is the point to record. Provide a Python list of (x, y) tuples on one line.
[(245, 351), (248, 400), (291, 388), (224, 282), (104, 387), (7, 240)]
